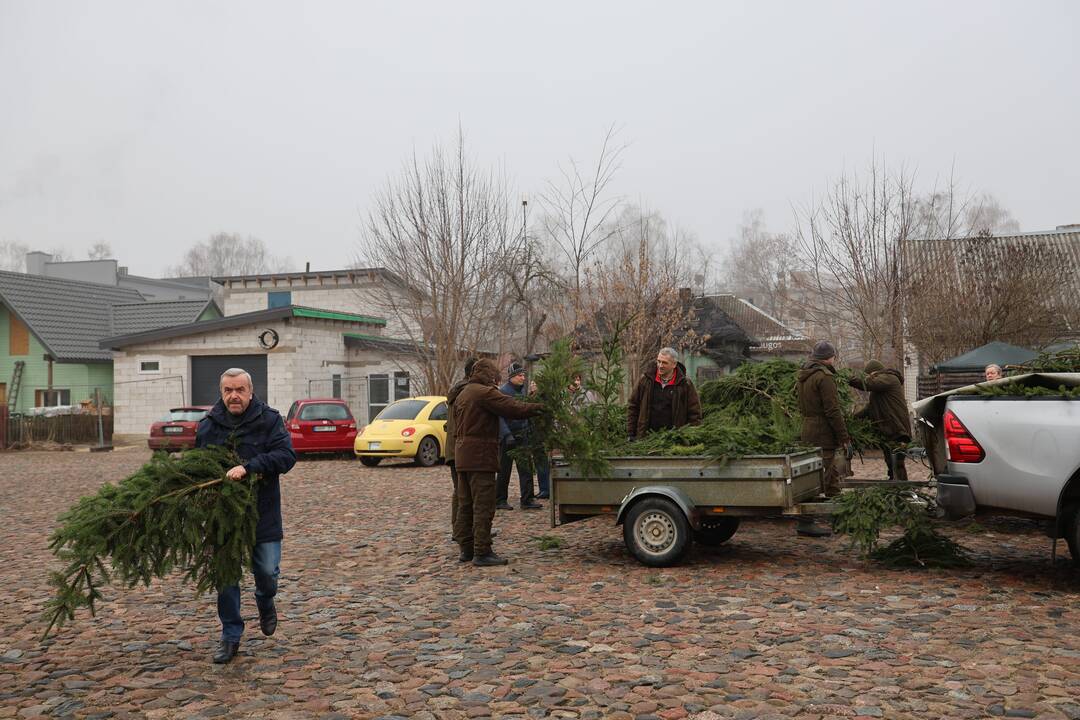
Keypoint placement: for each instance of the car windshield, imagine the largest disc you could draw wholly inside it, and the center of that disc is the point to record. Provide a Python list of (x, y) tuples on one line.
[(324, 411), (185, 415), (402, 410)]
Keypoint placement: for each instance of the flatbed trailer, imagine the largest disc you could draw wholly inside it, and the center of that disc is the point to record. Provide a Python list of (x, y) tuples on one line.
[(664, 502)]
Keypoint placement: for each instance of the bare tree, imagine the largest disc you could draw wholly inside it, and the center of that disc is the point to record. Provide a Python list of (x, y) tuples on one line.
[(579, 209), (225, 254), (100, 250), (534, 291), (852, 245), (59, 254), (971, 291), (640, 284), (442, 226), (759, 264), (13, 255)]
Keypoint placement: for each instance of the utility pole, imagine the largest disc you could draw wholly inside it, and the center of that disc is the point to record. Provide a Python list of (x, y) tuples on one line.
[(525, 280)]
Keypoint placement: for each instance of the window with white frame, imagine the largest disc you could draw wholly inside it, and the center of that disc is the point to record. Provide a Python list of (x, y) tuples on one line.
[(149, 367)]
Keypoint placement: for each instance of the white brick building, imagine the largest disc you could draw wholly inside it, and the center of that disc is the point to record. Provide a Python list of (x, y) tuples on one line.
[(371, 291), (292, 352)]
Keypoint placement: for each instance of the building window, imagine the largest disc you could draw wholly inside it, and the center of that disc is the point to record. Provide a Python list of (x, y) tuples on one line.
[(401, 385), (378, 394), (150, 366), (278, 299), (335, 381), (52, 398)]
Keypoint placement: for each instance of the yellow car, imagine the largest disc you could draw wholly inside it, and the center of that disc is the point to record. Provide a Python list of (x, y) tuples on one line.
[(409, 428)]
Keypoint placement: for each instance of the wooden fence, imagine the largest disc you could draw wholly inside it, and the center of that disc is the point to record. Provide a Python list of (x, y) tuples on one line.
[(23, 431)]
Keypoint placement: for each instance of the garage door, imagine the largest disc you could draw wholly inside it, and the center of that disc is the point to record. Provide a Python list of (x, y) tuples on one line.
[(206, 372)]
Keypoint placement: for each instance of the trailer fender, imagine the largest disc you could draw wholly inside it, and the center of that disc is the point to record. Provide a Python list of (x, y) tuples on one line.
[(674, 494)]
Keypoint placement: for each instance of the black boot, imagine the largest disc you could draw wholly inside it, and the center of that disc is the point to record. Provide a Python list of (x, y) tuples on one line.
[(466, 555), (226, 651), (268, 621), (489, 559)]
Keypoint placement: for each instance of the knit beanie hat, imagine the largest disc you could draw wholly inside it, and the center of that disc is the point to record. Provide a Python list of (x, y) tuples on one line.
[(823, 351)]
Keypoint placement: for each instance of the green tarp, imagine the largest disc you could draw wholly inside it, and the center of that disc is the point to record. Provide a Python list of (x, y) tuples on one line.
[(976, 360)]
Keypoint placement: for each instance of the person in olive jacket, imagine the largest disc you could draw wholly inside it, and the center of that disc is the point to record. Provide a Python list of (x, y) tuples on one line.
[(822, 417), (888, 410), (257, 432), (448, 451), (477, 409), (663, 398)]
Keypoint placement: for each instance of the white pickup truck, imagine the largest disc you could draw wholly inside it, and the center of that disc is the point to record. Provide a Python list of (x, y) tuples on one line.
[(1015, 455)]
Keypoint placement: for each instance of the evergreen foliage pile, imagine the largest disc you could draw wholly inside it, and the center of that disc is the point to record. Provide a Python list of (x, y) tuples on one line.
[(1019, 389), (1067, 360), (862, 515), (174, 513)]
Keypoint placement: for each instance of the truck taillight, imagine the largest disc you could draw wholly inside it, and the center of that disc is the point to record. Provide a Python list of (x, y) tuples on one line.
[(960, 445)]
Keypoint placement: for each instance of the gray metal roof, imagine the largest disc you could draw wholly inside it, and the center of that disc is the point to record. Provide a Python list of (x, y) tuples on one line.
[(132, 318), (68, 317)]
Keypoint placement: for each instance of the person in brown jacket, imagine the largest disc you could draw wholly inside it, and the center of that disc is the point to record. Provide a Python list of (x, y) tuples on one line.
[(822, 417), (663, 398), (888, 410), (451, 396), (477, 409)]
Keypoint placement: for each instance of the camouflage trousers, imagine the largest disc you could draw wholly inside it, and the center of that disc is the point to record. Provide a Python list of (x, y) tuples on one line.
[(476, 510)]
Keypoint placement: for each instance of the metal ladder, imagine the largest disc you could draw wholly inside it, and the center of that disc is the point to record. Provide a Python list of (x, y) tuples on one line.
[(16, 383)]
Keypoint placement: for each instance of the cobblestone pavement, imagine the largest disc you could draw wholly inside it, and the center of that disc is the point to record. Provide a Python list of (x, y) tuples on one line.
[(379, 620)]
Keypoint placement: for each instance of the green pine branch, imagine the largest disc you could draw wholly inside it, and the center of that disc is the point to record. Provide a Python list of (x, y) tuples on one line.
[(174, 513)]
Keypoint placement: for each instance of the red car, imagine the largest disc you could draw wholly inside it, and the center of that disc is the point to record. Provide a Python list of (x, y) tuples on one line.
[(321, 425), (176, 431)]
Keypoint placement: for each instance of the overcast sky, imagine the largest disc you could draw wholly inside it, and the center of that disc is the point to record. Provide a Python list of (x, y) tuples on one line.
[(152, 125)]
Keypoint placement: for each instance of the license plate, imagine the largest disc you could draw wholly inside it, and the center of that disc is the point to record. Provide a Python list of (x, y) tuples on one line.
[(325, 428), (374, 445), (173, 430)]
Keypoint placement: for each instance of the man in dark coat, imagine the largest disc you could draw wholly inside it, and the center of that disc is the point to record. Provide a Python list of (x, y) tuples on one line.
[(242, 421), (888, 410), (822, 417), (663, 398), (477, 410), (448, 453), (516, 434)]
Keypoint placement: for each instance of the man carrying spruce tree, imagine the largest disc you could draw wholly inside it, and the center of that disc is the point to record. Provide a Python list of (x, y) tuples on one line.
[(242, 421)]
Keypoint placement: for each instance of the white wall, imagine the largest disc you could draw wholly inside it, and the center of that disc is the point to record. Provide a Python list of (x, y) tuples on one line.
[(307, 349), (365, 297)]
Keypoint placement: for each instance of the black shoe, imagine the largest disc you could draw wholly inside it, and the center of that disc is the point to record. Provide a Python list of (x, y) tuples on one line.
[(504, 506), (488, 560), (542, 496), (226, 651), (532, 506), (465, 556), (268, 621)]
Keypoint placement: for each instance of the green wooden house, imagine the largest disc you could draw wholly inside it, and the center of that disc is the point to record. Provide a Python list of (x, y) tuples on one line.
[(50, 329)]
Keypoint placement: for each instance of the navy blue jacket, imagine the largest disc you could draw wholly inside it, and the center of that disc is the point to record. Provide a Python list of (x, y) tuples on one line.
[(263, 443), (518, 428)]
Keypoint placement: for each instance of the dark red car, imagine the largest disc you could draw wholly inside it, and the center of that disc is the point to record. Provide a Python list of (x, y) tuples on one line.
[(321, 425), (176, 431)]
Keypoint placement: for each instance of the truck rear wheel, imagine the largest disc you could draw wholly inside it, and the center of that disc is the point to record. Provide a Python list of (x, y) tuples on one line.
[(716, 531), (1072, 535), (656, 532)]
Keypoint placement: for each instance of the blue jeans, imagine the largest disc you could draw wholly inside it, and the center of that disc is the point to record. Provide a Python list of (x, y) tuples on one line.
[(264, 565)]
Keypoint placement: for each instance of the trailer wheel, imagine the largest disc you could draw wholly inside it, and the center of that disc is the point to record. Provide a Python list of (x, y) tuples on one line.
[(716, 531), (656, 531)]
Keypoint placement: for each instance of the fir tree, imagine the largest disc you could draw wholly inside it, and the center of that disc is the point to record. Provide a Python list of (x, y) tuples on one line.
[(174, 513)]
